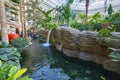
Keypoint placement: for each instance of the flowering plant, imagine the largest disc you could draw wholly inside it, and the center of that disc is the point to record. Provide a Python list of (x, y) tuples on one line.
[(106, 30), (105, 34)]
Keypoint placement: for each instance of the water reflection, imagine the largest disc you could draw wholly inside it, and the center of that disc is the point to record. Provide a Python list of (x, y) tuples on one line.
[(46, 63)]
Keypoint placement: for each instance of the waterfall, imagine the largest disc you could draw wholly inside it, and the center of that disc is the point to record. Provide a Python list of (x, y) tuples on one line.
[(48, 36), (48, 39)]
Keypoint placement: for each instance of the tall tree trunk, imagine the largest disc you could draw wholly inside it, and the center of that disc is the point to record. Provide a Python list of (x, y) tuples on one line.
[(105, 5), (87, 4), (22, 18), (4, 29), (25, 21)]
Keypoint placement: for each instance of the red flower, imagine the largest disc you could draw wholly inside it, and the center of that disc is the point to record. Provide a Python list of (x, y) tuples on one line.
[(107, 24), (12, 36), (103, 26)]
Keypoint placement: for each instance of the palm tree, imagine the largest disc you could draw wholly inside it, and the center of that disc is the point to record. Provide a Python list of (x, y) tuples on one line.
[(66, 11), (4, 29), (87, 5), (34, 12)]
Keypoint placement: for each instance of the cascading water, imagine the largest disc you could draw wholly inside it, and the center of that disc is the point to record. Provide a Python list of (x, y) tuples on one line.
[(48, 39)]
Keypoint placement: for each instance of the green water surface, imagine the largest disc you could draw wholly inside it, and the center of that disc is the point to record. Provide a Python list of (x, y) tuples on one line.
[(46, 63)]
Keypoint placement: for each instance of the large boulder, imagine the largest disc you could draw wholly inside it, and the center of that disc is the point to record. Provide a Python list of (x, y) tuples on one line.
[(66, 38), (86, 45)]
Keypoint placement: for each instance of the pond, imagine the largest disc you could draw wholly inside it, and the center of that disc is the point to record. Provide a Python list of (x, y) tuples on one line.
[(46, 63)]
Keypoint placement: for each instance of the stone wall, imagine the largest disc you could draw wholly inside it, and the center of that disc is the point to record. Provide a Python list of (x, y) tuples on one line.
[(85, 45)]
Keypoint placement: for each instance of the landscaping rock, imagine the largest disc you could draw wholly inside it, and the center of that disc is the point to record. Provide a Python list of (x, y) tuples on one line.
[(86, 45), (112, 66)]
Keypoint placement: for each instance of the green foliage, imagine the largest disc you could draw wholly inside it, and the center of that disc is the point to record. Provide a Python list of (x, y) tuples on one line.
[(82, 18), (97, 26), (105, 41), (4, 45), (59, 18), (47, 15), (105, 34), (10, 72), (96, 19), (9, 55), (114, 19), (106, 30), (51, 26), (110, 10), (66, 11), (77, 25), (20, 43), (16, 1), (115, 56), (102, 78)]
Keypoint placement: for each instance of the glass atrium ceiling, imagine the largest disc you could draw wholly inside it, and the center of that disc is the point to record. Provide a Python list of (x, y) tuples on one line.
[(79, 5)]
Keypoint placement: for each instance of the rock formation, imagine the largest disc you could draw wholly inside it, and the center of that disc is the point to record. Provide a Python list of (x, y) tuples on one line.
[(86, 45)]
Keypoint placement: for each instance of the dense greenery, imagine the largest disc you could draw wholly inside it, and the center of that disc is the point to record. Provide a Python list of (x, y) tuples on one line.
[(105, 34), (9, 54), (96, 21), (115, 55), (20, 43), (10, 72), (9, 61), (51, 26)]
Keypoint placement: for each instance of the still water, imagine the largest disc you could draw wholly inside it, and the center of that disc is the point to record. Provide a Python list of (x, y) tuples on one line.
[(46, 63)]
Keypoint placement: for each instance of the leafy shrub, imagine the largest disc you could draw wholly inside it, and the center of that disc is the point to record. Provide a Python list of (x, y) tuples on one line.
[(20, 43), (96, 21), (79, 26), (10, 72), (110, 9), (9, 55), (4, 45), (97, 26), (114, 19), (115, 56), (105, 34), (106, 30), (51, 26)]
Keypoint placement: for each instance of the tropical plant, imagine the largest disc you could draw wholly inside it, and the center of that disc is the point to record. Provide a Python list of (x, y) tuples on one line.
[(59, 18), (110, 10), (5, 45), (51, 26), (106, 30), (9, 56), (115, 56), (78, 25), (82, 18), (47, 17), (105, 34), (66, 11), (10, 72), (102, 78), (20, 43), (114, 19), (95, 20)]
